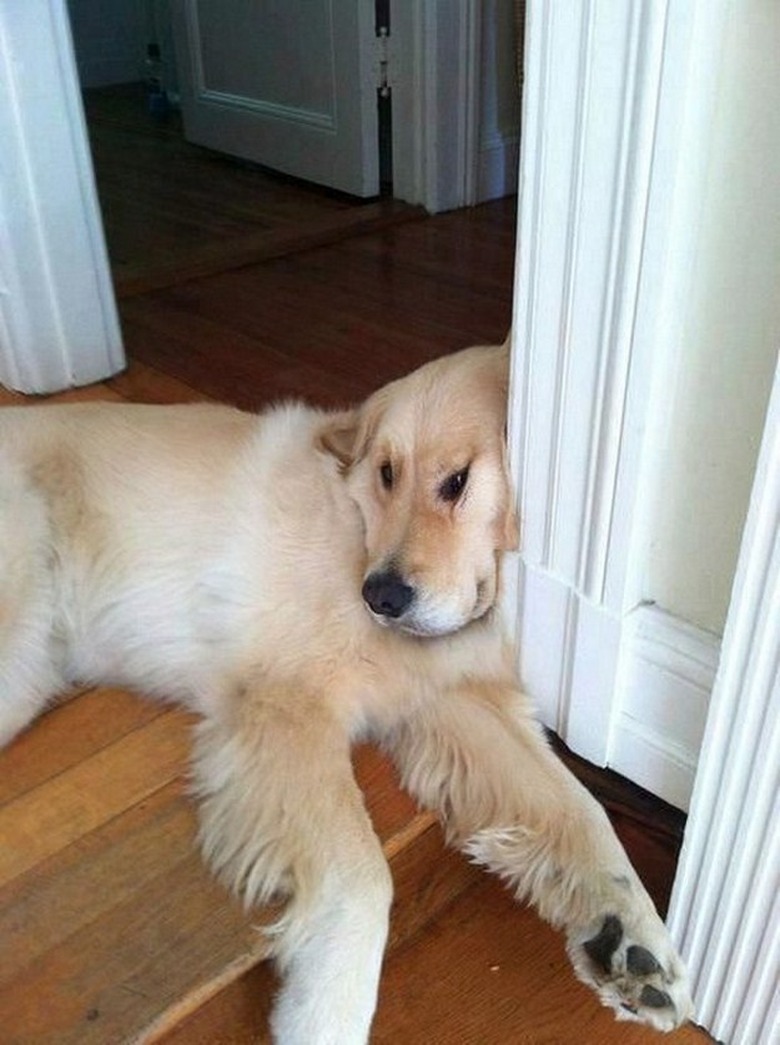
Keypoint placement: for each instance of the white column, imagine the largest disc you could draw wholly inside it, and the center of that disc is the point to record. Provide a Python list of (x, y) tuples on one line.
[(725, 911), (596, 180), (58, 321)]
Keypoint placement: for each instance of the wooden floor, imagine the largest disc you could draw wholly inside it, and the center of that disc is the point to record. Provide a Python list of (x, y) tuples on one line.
[(97, 829), (172, 210)]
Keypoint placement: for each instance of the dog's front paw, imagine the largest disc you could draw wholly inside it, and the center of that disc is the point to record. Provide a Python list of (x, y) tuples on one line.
[(635, 970)]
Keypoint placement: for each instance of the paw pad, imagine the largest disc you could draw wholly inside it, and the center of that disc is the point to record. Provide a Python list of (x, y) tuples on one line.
[(601, 948), (640, 983), (640, 962), (653, 998)]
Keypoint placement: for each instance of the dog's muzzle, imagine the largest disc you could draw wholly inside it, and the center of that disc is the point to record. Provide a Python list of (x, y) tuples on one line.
[(387, 594)]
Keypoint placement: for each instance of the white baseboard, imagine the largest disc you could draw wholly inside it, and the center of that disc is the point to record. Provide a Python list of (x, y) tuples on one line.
[(497, 167), (628, 692), (666, 677), (569, 657)]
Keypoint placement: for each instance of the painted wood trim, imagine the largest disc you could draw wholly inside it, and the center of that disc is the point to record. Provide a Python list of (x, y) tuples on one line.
[(435, 75), (58, 320), (569, 656), (593, 85), (497, 167), (614, 96), (725, 909), (665, 680)]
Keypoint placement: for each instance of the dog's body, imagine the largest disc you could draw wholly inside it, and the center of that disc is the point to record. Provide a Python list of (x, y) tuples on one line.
[(301, 579)]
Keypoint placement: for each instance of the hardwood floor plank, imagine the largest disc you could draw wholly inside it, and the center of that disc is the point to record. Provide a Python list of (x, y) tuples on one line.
[(131, 946), (52, 816), (70, 734), (68, 890), (173, 211), (106, 909), (329, 325), (240, 249), (143, 384)]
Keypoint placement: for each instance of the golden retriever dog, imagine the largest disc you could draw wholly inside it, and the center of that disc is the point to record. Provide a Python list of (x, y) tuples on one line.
[(301, 580)]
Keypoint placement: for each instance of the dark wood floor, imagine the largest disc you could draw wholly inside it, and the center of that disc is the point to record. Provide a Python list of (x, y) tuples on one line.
[(332, 324), (172, 210)]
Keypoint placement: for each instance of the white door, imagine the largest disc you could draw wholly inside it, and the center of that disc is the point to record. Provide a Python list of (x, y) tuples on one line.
[(289, 84)]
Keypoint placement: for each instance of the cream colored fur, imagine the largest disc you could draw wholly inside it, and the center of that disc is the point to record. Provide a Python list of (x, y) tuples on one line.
[(216, 558)]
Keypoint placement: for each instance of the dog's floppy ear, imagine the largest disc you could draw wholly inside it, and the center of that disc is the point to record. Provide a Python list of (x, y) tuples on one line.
[(509, 532), (338, 437), (347, 435), (507, 523)]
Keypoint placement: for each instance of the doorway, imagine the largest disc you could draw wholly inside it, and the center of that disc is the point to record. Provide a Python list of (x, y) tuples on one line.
[(173, 210), (445, 122)]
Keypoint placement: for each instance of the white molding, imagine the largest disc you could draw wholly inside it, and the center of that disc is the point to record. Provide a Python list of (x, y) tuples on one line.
[(497, 167), (725, 910), (569, 655), (630, 692), (57, 311), (666, 676), (435, 55), (322, 121), (593, 83), (614, 94)]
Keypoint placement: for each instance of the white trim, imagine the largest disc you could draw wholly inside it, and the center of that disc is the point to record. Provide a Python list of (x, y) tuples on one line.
[(569, 650), (435, 58), (497, 165), (666, 676), (593, 83), (725, 910), (322, 121), (57, 311), (591, 93)]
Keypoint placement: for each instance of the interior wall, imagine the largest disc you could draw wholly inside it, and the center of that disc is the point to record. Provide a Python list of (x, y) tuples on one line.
[(715, 399)]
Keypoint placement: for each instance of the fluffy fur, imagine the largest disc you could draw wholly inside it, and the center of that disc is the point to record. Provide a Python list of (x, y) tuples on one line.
[(301, 579)]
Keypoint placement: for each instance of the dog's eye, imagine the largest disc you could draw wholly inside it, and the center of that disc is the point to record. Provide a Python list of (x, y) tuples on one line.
[(452, 487), (386, 475)]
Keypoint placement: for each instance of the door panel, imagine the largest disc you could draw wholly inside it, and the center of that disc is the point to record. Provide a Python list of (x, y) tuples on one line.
[(285, 83)]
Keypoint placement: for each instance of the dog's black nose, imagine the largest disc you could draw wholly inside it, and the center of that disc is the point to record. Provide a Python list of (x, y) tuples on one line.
[(387, 594)]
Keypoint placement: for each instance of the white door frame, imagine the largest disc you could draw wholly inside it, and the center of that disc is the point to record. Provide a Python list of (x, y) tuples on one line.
[(725, 909), (435, 56), (58, 320), (607, 222), (617, 116)]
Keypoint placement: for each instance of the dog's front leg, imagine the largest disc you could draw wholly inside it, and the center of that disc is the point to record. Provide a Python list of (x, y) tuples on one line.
[(477, 756), (282, 818)]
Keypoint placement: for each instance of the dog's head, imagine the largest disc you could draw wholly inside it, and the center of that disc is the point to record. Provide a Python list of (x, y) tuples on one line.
[(425, 461)]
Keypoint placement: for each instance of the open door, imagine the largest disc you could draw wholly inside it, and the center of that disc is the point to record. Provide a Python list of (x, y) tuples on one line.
[(289, 84)]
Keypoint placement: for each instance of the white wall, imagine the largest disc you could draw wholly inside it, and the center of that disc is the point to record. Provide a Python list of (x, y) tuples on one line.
[(712, 407)]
